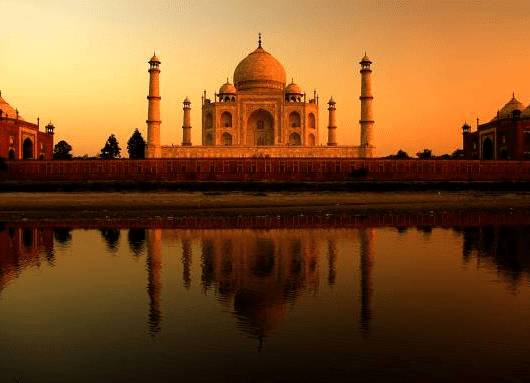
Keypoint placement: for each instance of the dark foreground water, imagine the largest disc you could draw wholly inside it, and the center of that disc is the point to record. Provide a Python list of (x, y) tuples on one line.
[(358, 300)]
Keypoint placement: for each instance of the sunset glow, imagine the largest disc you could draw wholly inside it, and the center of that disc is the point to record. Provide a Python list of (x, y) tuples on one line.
[(436, 65)]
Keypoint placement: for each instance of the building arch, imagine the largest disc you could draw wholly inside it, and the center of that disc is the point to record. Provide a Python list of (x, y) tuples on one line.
[(27, 149), (226, 139), (312, 121), (260, 128), (294, 139), (209, 139), (487, 149), (11, 154), (226, 119), (294, 120), (504, 154), (311, 140)]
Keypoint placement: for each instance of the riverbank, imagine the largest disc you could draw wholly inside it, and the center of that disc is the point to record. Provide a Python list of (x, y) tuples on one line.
[(87, 205)]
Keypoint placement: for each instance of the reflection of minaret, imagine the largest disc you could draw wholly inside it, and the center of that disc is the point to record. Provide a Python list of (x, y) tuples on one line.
[(153, 111), (332, 257), (208, 263), (367, 261), (186, 262), (154, 278)]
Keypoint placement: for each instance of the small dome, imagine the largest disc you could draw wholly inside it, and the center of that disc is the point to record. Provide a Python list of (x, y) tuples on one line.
[(8, 111), (227, 88), (509, 108), (331, 101), (259, 70), (187, 100), (365, 59), (292, 88), (526, 112), (154, 59)]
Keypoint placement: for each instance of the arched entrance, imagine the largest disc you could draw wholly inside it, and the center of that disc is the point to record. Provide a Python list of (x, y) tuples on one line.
[(226, 139), (294, 139), (27, 149), (487, 149), (11, 154), (260, 128)]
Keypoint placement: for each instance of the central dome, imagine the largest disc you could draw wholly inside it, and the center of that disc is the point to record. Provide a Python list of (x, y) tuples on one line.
[(259, 70)]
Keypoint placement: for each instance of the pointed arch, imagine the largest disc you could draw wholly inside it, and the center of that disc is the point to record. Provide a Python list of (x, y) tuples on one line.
[(294, 139), (226, 119), (487, 149), (226, 139), (294, 120), (261, 128), (27, 149)]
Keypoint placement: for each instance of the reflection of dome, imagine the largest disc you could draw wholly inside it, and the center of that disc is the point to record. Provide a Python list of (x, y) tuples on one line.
[(259, 70), (292, 88), (509, 108), (227, 88), (259, 313)]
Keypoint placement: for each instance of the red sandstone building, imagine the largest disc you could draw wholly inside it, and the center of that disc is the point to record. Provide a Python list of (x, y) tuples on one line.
[(506, 137), (20, 139)]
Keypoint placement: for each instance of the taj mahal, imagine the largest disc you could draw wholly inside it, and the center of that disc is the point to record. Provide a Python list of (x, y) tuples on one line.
[(259, 115)]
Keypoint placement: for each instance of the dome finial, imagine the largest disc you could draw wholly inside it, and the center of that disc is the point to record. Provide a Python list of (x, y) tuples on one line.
[(259, 39)]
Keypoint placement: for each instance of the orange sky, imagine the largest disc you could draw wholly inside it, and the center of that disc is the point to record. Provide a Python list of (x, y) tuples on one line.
[(83, 63)]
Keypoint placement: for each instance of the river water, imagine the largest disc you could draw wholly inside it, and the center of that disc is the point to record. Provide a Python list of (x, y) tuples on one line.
[(368, 298)]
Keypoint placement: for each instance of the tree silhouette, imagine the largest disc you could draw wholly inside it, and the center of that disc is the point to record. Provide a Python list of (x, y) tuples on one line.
[(401, 155), (61, 151), (136, 145), (425, 155), (111, 148)]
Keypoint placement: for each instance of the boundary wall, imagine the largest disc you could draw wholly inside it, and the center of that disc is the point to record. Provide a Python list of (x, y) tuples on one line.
[(267, 170)]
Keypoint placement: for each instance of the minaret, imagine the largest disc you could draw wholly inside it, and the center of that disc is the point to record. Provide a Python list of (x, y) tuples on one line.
[(186, 123), (367, 118), (153, 112), (332, 139)]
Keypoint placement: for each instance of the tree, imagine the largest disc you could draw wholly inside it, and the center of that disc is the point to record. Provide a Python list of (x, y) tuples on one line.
[(136, 145), (111, 148), (458, 153), (401, 155), (61, 151), (425, 155)]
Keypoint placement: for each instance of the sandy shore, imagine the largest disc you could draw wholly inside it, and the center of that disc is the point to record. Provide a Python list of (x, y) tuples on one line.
[(136, 204)]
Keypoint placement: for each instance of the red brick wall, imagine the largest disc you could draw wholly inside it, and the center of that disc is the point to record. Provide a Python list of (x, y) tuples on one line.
[(268, 169)]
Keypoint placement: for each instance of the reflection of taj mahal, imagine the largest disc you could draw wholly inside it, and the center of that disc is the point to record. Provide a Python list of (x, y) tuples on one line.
[(259, 115)]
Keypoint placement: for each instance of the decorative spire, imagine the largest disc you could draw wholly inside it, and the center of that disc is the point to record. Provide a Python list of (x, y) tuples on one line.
[(259, 39)]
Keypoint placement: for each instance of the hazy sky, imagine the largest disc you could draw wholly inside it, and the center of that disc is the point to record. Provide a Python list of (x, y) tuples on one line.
[(437, 64)]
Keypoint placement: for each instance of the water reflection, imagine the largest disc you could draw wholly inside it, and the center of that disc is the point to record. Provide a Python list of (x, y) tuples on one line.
[(257, 274), (367, 261), (154, 279), (23, 248), (111, 237), (136, 239), (503, 248)]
